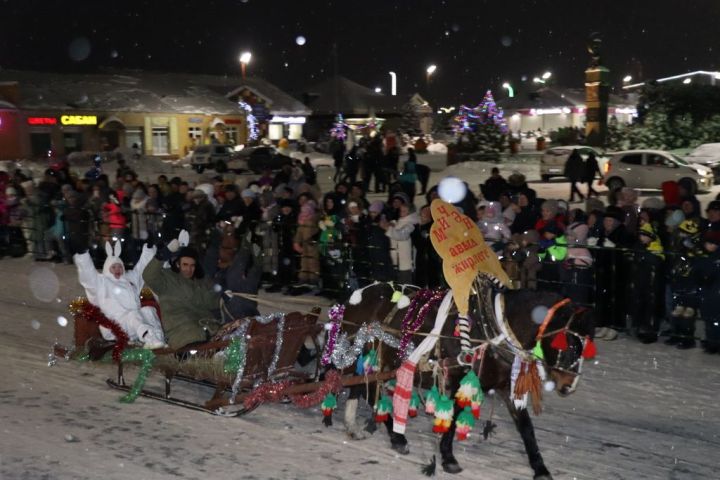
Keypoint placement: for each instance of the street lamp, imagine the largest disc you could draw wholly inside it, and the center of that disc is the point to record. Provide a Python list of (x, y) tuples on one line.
[(244, 60), (627, 79), (430, 70), (378, 90), (393, 84), (687, 81), (509, 88), (538, 80), (546, 75)]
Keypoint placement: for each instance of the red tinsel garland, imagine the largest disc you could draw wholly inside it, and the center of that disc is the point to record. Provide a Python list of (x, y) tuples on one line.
[(91, 313), (274, 392), (332, 383)]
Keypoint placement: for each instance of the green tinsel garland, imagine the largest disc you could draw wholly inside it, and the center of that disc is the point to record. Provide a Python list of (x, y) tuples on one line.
[(146, 359), (233, 356)]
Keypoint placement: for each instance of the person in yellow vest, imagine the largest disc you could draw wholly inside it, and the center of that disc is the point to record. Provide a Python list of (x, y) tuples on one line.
[(647, 282), (553, 250)]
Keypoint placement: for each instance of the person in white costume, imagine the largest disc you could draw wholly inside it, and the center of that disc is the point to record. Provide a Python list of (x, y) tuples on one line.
[(116, 293)]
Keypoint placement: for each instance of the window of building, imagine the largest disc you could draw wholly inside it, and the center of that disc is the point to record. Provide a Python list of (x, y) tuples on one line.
[(134, 137), (275, 131), (295, 131), (41, 143), (231, 135), (161, 139), (72, 141), (196, 133)]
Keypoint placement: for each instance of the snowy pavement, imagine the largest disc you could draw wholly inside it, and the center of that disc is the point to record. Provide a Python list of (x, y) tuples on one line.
[(640, 412)]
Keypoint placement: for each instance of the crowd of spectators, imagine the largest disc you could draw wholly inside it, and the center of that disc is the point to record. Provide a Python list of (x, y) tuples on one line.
[(648, 269)]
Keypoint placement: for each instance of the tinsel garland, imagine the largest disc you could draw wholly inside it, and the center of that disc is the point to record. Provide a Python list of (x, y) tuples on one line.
[(344, 354), (237, 351), (146, 359), (412, 321), (233, 356), (275, 391), (81, 308), (238, 337), (278, 345), (336, 315), (428, 299)]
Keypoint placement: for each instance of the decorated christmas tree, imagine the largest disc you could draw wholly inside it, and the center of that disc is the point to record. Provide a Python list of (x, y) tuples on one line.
[(338, 130), (481, 129)]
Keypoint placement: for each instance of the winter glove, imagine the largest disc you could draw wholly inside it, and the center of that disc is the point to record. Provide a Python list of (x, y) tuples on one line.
[(256, 250), (148, 249), (184, 238), (592, 241), (236, 221), (322, 226), (608, 243)]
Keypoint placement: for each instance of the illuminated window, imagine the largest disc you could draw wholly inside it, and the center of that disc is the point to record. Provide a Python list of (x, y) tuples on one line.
[(231, 135)]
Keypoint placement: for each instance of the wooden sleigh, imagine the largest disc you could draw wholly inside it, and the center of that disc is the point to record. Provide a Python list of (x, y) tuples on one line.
[(200, 363)]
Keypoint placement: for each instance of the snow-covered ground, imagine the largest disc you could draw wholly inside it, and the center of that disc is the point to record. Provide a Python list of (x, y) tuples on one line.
[(641, 412)]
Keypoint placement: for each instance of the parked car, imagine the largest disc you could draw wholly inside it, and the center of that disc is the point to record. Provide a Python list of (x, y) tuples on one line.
[(211, 157), (258, 159), (552, 162), (648, 169), (707, 154)]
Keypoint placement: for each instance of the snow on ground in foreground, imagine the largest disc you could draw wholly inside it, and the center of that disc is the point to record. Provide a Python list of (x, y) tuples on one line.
[(641, 412)]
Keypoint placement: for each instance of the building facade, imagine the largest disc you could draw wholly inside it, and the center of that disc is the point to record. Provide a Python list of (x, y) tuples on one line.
[(550, 109), (155, 114)]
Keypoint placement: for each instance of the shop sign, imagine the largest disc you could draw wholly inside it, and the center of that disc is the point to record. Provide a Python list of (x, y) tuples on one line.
[(288, 120), (195, 120), (78, 120), (42, 121), (233, 121)]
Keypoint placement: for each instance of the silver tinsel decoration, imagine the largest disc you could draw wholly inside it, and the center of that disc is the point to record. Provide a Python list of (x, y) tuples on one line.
[(278, 345), (345, 354), (241, 332)]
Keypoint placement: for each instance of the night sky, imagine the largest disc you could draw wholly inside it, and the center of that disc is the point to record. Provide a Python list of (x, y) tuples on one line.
[(476, 44)]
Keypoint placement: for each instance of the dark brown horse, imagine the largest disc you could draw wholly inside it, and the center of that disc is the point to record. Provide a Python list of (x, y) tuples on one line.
[(486, 307)]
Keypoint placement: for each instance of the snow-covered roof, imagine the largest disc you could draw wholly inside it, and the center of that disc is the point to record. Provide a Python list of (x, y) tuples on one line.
[(128, 92), (341, 95), (552, 97)]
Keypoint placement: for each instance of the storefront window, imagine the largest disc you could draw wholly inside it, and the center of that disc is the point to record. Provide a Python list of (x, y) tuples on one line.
[(40, 143), (72, 141), (160, 136), (275, 131), (295, 131)]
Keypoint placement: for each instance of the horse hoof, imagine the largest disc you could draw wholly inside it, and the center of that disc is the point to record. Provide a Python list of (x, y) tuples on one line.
[(544, 476), (451, 467), (401, 448)]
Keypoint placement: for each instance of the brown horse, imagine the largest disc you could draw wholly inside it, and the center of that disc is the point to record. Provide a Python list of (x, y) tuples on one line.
[(486, 311)]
